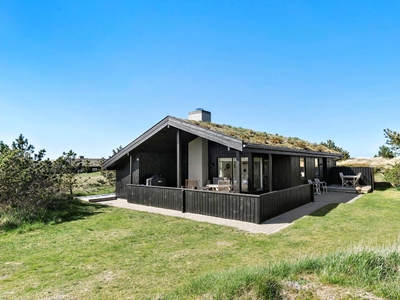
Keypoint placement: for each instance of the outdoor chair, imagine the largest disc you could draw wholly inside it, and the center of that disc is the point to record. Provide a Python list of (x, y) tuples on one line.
[(323, 186), (317, 191), (190, 184), (344, 181), (216, 179), (224, 186), (357, 179)]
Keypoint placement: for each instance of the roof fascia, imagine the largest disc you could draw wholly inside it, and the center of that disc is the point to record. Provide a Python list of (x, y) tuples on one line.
[(287, 151), (125, 151), (182, 125), (208, 134)]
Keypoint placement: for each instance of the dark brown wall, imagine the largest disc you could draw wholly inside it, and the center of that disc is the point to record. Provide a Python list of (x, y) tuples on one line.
[(163, 164), (367, 175), (282, 172), (122, 179)]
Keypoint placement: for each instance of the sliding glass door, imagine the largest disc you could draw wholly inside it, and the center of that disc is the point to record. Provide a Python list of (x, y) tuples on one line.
[(260, 170)]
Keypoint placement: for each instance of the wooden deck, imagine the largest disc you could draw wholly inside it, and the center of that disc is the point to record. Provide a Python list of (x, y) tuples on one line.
[(363, 189)]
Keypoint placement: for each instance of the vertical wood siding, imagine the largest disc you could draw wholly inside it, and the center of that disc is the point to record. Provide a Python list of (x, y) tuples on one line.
[(240, 207), (282, 168), (163, 197), (160, 164), (278, 202), (121, 181), (223, 205)]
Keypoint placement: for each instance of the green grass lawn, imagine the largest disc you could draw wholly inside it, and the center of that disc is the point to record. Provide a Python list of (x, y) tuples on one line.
[(112, 253)]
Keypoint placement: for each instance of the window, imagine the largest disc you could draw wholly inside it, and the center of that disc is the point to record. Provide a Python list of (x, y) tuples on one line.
[(226, 167), (316, 164), (245, 174), (302, 168)]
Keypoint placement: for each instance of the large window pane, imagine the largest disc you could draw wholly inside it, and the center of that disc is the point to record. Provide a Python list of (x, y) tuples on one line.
[(316, 163), (258, 174), (245, 173), (226, 167), (302, 168)]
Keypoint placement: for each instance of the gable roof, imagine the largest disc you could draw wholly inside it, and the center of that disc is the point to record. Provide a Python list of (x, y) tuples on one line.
[(233, 137), (184, 125)]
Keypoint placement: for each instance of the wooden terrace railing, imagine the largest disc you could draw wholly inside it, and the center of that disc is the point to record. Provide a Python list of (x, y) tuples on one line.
[(234, 206)]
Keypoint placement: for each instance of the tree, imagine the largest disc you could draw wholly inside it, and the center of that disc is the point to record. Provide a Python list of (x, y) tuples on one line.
[(385, 152), (109, 175), (115, 151), (393, 140), (66, 168), (28, 183), (331, 145)]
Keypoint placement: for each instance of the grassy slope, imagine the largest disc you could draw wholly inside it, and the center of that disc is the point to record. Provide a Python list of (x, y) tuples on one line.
[(88, 184), (122, 254)]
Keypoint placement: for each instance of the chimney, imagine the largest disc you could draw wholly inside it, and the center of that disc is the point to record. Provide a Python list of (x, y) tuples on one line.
[(200, 115)]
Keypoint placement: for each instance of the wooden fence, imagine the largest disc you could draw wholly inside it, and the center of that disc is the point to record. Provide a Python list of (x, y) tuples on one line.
[(234, 206), (278, 202), (367, 175), (157, 196), (241, 207)]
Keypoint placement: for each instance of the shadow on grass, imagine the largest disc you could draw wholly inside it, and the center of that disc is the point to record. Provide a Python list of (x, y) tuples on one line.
[(60, 211), (324, 210), (72, 210), (383, 186)]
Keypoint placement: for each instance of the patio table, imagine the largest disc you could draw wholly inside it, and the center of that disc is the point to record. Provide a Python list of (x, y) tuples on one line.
[(352, 179), (214, 187)]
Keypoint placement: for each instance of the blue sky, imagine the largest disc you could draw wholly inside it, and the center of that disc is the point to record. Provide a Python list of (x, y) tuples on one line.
[(93, 75)]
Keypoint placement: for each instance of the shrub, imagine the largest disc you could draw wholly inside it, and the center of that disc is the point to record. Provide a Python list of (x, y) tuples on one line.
[(393, 175), (276, 139), (28, 184)]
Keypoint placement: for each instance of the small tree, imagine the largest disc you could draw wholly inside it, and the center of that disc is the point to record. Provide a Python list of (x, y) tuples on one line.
[(331, 145), (67, 167), (109, 175), (385, 152), (393, 140), (115, 151)]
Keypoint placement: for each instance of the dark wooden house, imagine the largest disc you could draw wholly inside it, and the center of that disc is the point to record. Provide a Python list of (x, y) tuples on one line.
[(256, 163)]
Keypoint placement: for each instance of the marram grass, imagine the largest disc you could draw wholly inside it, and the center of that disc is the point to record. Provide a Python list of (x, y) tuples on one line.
[(372, 270)]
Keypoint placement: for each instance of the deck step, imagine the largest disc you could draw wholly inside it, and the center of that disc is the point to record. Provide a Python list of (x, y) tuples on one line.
[(98, 198), (345, 189)]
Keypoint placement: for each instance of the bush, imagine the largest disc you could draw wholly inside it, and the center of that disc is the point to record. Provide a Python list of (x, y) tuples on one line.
[(28, 184), (393, 175)]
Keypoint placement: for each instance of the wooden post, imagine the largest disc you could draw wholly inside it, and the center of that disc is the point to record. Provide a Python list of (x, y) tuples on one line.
[(130, 168), (238, 172), (178, 159), (270, 171), (250, 179)]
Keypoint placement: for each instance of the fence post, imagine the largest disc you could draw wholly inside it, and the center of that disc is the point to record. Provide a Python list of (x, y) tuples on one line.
[(183, 196)]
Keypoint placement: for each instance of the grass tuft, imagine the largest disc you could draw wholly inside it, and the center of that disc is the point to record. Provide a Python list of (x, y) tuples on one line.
[(373, 270)]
